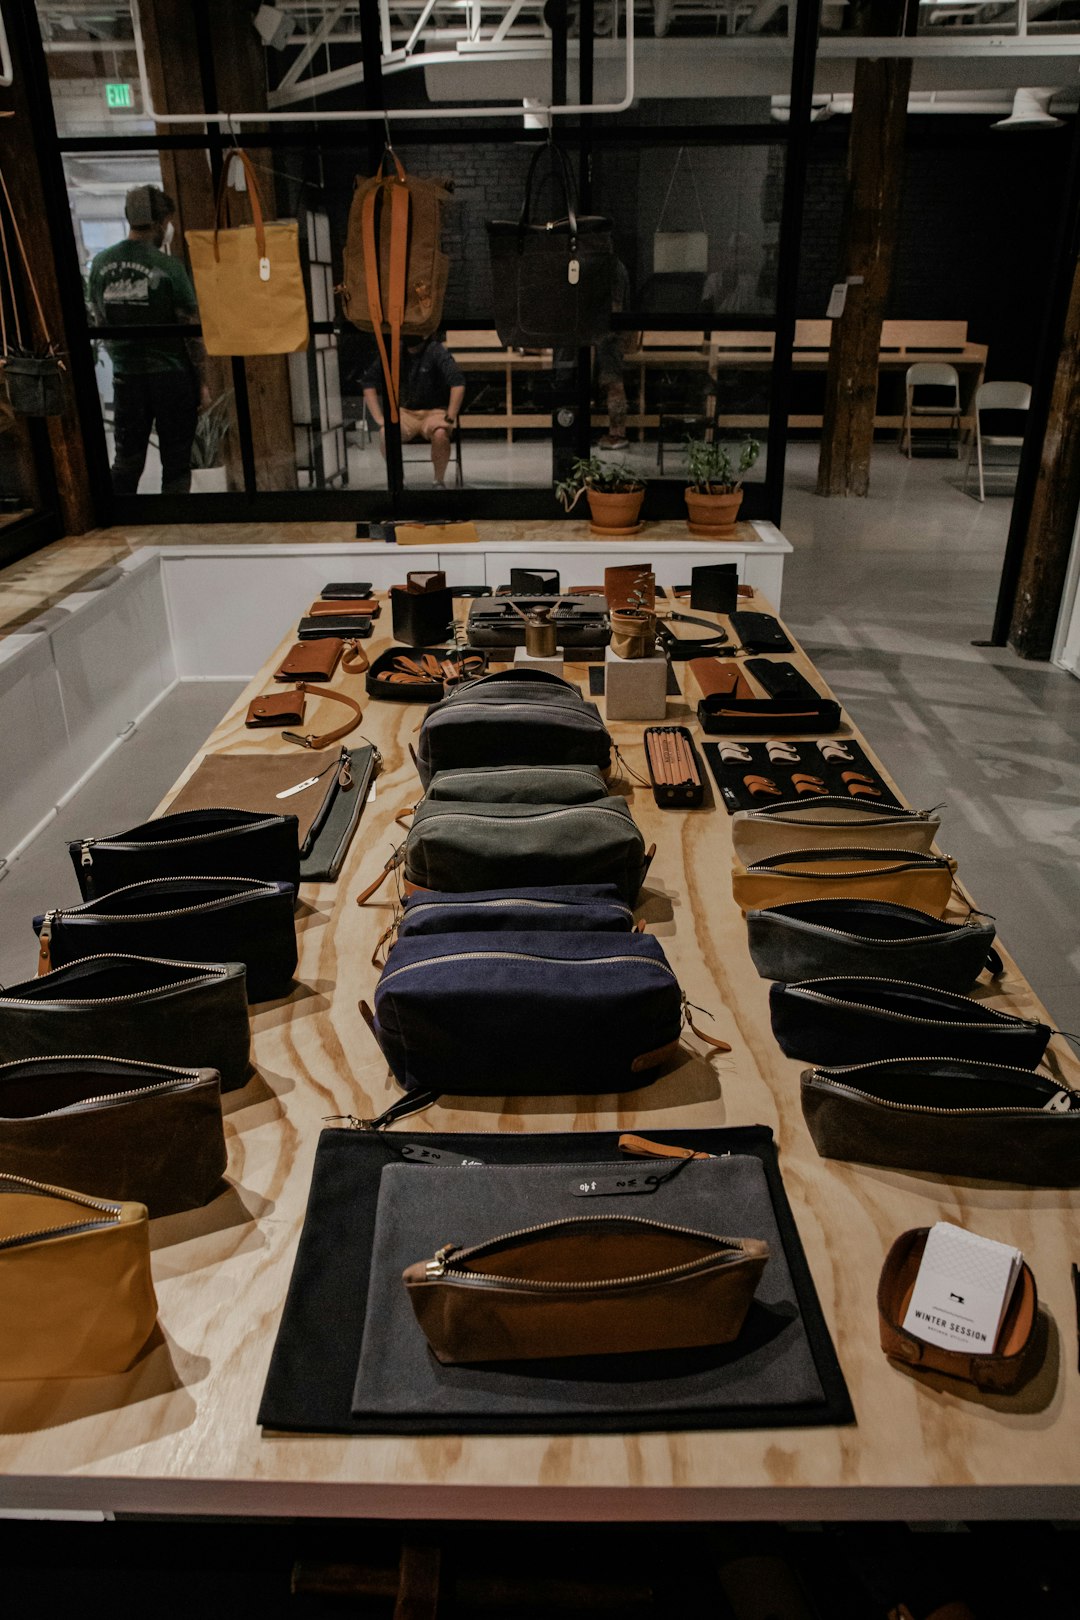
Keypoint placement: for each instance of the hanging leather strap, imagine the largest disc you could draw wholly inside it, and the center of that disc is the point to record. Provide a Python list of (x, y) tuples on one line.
[(394, 191), (354, 660), (327, 737), (29, 274), (710, 1040), (222, 211), (366, 894)]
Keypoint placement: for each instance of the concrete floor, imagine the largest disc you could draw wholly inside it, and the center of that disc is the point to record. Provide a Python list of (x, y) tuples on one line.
[(887, 594)]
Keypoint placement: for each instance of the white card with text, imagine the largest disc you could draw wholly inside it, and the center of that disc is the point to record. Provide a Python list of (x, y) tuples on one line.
[(963, 1289)]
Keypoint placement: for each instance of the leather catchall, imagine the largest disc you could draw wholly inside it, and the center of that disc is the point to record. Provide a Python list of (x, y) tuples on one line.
[(903, 877), (189, 918), (1001, 1371), (589, 1286), (810, 938), (150, 1133), (947, 1117), (76, 1295), (855, 1020), (188, 1013), (829, 822)]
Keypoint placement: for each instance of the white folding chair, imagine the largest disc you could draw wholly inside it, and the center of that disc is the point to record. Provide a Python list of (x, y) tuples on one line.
[(930, 374), (996, 396)]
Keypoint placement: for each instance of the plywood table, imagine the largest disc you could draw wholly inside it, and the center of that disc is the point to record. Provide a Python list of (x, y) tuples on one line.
[(178, 1433)]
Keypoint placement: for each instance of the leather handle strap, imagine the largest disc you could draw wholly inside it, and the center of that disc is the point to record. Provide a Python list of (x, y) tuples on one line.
[(253, 196), (396, 192), (311, 740), (354, 660), (374, 294)]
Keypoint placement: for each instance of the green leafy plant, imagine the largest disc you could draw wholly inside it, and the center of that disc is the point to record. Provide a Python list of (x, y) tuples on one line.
[(610, 477), (712, 471)]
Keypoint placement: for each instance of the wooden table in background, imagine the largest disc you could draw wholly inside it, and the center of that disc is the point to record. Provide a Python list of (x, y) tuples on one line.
[(178, 1433)]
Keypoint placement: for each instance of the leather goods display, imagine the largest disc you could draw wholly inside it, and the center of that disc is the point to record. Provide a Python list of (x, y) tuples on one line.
[(632, 585), (191, 843), (140, 1007), (580, 621), (394, 268), (811, 937), (674, 768), (759, 632), (999, 1372), (903, 877), (205, 919), (151, 1132), (248, 278), (477, 1014), (552, 280), (854, 1020), (371, 1211), (422, 674), (76, 1295), (829, 822), (754, 775), (947, 1117), (276, 709), (423, 609), (594, 1285), (591, 908), (346, 590), (457, 846), (520, 784), (265, 782), (346, 627), (345, 608), (522, 717)]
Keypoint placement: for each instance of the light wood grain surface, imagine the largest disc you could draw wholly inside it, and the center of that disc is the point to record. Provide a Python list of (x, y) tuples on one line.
[(179, 1432)]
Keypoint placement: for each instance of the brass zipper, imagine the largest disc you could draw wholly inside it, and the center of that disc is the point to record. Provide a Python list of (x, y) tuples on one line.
[(777, 812), (914, 1018), (206, 974), (534, 815), (911, 861), (827, 1078), (543, 905), (943, 927), (147, 916), (519, 956), (442, 1266), (112, 1212), (179, 1077), (86, 859)]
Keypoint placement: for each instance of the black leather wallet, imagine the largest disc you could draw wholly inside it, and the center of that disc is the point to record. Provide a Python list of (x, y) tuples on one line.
[(346, 591), (350, 627), (760, 632)]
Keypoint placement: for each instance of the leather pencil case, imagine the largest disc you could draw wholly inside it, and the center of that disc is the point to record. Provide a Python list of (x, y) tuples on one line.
[(674, 765), (365, 607), (829, 822), (808, 938), (192, 842), (587, 1286), (854, 1020), (776, 717), (190, 918), (139, 1132), (999, 1371), (904, 877), (76, 1294), (947, 1117), (136, 1007)]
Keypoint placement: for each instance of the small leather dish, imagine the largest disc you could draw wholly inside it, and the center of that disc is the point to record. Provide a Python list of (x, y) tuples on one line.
[(587, 1286), (1000, 1371)]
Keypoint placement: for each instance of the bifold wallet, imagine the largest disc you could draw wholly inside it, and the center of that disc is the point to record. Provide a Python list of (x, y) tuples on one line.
[(311, 660), (276, 709)]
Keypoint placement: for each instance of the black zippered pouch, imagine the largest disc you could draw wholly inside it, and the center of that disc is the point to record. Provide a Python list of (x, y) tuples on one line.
[(192, 843), (858, 1020), (197, 919), (328, 842), (808, 939)]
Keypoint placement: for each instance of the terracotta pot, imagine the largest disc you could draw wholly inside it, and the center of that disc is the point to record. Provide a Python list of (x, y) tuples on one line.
[(712, 511), (615, 509)]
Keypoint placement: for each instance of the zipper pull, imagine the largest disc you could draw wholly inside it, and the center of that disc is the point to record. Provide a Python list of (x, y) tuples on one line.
[(44, 948), (687, 1007), (345, 775), (642, 1148), (85, 857), (437, 1267)]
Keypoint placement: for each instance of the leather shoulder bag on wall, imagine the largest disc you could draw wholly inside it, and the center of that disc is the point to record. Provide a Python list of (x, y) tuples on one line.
[(248, 278), (552, 279)]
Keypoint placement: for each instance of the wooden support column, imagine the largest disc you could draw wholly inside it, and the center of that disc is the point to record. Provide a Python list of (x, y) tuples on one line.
[(871, 216), (1052, 523), (169, 29)]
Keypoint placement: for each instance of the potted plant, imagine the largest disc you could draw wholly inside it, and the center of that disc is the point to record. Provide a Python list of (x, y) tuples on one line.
[(633, 623), (614, 492), (715, 492)]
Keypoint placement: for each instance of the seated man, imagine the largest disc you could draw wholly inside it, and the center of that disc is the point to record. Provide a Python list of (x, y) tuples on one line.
[(431, 396)]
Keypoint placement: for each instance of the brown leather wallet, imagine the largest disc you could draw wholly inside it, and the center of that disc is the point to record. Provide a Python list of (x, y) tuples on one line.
[(311, 660), (721, 677), (368, 609), (276, 709)]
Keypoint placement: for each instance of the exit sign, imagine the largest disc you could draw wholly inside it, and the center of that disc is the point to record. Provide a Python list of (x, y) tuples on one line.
[(119, 95)]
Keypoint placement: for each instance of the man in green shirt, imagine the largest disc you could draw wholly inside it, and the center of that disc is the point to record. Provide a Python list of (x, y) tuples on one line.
[(157, 381)]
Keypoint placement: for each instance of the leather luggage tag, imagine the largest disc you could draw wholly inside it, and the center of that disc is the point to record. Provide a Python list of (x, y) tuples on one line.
[(276, 709)]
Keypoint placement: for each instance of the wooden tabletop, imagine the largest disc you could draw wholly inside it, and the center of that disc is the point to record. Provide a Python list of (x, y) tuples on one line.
[(178, 1433)]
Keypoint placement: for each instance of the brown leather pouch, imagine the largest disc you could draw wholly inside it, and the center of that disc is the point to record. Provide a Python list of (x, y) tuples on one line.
[(1001, 1371), (311, 660), (599, 1285), (721, 677), (276, 709), (369, 609)]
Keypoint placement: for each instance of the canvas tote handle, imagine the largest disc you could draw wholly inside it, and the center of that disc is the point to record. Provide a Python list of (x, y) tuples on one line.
[(256, 208)]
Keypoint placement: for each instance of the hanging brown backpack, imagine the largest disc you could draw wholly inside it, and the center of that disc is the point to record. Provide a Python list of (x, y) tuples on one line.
[(395, 269)]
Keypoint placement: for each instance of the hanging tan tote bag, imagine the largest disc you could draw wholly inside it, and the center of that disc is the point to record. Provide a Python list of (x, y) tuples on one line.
[(248, 279)]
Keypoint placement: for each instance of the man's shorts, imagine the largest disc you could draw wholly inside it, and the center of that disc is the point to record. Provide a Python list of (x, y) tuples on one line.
[(421, 424)]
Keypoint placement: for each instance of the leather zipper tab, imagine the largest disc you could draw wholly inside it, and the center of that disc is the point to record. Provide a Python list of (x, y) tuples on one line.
[(45, 946)]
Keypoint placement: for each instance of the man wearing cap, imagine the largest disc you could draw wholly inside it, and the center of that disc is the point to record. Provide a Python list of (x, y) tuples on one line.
[(158, 381)]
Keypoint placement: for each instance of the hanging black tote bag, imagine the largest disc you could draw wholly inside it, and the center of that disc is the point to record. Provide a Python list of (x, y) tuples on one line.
[(552, 279)]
